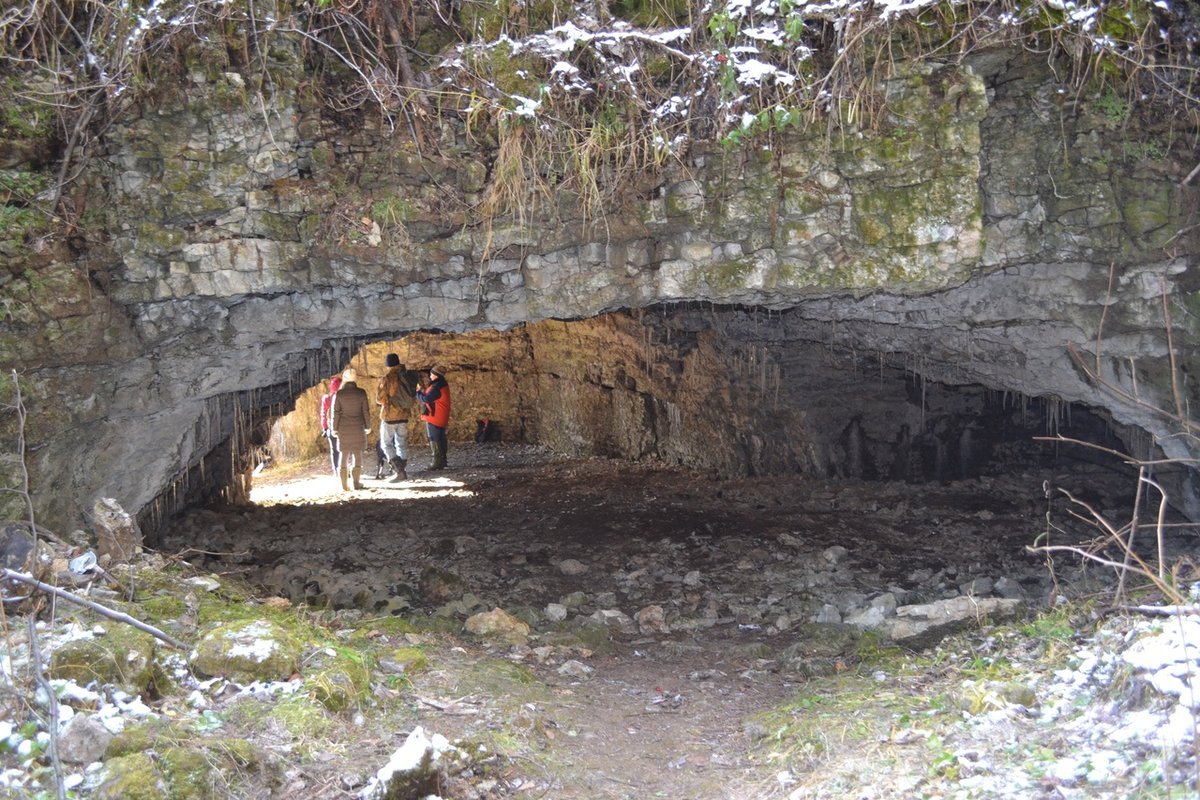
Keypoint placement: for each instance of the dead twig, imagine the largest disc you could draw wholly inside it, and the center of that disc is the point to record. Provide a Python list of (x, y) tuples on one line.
[(39, 675), (103, 611)]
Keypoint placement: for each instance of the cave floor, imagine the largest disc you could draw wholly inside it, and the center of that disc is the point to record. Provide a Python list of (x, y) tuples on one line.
[(682, 705)]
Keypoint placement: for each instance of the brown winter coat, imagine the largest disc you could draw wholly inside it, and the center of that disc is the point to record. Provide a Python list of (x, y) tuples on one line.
[(395, 384), (351, 418)]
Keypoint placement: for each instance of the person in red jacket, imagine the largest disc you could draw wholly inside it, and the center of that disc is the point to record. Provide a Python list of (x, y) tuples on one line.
[(435, 411), (325, 408)]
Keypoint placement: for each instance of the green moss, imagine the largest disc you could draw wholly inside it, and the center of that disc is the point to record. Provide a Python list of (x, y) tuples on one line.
[(1146, 205), (123, 656), (147, 736), (247, 651), (341, 680), (583, 634), (132, 777), (487, 19), (175, 763), (513, 74), (163, 607), (411, 660), (727, 276), (189, 774)]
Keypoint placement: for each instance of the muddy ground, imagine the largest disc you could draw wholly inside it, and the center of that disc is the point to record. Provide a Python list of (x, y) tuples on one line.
[(742, 570)]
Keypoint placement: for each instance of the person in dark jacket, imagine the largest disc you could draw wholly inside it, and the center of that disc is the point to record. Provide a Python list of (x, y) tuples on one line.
[(351, 421), (326, 428), (435, 411), (395, 398)]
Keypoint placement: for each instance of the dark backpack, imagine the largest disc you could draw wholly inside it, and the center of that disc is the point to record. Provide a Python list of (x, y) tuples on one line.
[(486, 431)]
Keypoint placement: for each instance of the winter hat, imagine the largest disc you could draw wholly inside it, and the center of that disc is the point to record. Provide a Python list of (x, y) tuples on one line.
[(393, 360), (349, 375), (439, 371), (335, 383)]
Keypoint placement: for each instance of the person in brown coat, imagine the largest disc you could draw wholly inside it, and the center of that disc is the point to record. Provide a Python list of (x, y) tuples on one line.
[(395, 398), (351, 422)]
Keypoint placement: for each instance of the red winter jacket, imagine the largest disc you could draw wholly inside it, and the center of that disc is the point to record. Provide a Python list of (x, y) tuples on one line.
[(435, 403), (335, 383)]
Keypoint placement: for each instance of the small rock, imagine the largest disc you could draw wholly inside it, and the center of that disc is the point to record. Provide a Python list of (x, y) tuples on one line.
[(498, 624), (83, 740), (575, 669), (569, 566), (652, 619), (556, 612), (828, 615), (1008, 588), (835, 555), (615, 620)]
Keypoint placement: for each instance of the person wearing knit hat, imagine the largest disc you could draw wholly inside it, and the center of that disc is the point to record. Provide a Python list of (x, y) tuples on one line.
[(435, 405), (326, 407), (350, 418), (394, 396)]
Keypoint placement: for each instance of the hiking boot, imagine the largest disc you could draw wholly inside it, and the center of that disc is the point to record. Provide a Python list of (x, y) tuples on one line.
[(398, 464)]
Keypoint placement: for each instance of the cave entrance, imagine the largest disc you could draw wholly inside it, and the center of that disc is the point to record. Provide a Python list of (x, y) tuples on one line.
[(734, 392), (684, 472)]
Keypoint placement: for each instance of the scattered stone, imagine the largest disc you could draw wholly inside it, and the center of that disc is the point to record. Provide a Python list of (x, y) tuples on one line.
[(979, 587), (498, 624), (569, 566), (438, 586), (835, 555), (615, 620), (575, 669), (555, 612), (1007, 587), (828, 615), (652, 619), (83, 740)]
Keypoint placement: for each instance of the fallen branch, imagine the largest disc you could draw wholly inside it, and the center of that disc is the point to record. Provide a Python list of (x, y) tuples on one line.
[(119, 616), (1163, 611)]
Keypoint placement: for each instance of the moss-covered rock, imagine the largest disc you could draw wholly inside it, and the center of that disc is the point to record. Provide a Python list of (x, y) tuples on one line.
[(248, 651), (132, 777), (341, 679), (404, 661), (123, 656), (161, 760)]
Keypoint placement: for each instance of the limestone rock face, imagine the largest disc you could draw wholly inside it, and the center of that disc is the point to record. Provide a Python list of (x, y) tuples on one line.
[(973, 240)]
